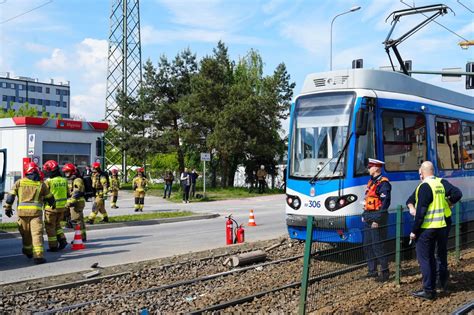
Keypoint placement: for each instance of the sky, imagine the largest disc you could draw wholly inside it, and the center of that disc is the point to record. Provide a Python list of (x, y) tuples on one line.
[(67, 39)]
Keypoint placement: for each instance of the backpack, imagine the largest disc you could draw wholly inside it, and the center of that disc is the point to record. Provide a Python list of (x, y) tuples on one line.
[(88, 190)]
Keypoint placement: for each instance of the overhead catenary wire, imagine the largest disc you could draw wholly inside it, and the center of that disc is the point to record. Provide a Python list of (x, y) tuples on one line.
[(23, 13), (446, 28), (465, 6)]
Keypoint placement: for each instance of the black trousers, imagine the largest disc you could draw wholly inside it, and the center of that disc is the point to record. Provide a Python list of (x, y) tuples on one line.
[(425, 253)]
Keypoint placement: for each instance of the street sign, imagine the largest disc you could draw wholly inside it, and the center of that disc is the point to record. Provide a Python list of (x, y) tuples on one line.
[(206, 157), (31, 144), (36, 159)]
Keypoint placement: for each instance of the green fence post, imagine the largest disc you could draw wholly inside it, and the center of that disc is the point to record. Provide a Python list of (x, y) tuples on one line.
[(398, 235), (306, 264), (457, 231)]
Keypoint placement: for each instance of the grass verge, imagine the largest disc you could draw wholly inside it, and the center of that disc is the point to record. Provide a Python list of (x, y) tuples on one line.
[(12, 226), (214, 194)]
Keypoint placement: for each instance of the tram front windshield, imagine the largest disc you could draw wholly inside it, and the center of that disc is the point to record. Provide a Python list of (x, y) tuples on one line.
[(320, 130)]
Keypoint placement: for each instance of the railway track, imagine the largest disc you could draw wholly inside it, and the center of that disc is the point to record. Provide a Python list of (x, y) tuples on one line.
[(202, 285), (120, 284)]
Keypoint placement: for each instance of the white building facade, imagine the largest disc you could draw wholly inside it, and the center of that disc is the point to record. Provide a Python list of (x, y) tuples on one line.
[(42, 139), (50, 97)]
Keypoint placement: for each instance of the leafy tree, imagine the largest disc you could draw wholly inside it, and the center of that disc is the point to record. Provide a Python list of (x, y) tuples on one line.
[(210, 94), (168, 88)]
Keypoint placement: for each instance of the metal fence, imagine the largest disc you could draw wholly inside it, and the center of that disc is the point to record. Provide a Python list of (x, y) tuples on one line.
[(331, 268)]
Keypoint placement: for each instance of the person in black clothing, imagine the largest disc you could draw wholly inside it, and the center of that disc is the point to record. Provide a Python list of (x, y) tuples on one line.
[(87, 178), (432, 237), (375, 215), (194, 175)]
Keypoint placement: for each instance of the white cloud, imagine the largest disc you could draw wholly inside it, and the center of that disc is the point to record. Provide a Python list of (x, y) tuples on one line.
[(312, 36), (272, 5), (37, 48), (151, 36), (92, 59), (85, 64), (209, 14), (467, 30), (91, 103), (57, 62)]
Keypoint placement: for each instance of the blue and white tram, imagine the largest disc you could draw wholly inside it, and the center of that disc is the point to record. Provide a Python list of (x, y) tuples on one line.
[(342, 118)]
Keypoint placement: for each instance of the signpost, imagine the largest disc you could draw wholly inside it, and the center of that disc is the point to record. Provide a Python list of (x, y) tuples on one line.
[(205, 157)]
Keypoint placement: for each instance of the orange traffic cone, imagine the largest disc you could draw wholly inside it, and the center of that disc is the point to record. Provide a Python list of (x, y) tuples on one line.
[(77, 243), (251, 219)]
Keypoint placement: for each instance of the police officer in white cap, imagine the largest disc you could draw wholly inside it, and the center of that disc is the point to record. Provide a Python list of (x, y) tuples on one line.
[(375, 215)]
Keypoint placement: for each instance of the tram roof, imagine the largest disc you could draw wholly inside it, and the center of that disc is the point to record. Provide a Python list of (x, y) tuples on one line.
[(381, 80)]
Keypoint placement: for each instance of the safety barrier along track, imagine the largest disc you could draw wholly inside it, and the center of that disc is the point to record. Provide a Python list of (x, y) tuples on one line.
[(167, 286)]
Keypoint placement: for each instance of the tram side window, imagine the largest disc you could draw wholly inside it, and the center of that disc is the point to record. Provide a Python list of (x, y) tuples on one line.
[(448, 143), (467, 154), (404, 140)]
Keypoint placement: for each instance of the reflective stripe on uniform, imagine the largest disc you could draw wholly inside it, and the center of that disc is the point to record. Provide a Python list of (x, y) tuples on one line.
[(38, 249), (30, 206), (52, 239), (59, 231)]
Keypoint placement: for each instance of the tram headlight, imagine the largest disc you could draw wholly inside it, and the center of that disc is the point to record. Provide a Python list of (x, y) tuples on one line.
[(296, 203), (293, 201), (334, 203)]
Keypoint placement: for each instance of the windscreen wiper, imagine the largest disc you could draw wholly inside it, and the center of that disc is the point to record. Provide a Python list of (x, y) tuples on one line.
[(343, 150), (338, 156)]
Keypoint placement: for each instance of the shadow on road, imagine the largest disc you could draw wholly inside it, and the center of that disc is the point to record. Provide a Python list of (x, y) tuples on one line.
[(18, 262)]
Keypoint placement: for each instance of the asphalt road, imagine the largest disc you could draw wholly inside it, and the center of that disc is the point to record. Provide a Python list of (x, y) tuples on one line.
[(138, 243)]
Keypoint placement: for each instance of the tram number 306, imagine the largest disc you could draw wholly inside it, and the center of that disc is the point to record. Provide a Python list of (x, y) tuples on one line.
[(313, 204)]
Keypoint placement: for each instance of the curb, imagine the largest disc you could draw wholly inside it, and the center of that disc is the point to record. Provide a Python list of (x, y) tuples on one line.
[(102, 226)]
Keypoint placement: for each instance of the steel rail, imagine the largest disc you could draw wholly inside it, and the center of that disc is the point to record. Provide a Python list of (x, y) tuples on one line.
[(78, 283), (164, 287), (249, 298)]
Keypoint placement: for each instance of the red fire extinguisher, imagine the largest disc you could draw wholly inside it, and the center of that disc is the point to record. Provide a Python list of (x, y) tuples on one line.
[(229, 230), (240, 234)]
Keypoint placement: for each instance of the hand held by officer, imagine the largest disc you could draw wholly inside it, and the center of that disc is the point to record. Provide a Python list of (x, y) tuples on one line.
[(412, 236), (374, 225), (8, 210)]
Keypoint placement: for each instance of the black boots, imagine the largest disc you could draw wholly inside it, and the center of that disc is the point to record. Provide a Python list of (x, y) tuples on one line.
[(426, 295), (39, 261)]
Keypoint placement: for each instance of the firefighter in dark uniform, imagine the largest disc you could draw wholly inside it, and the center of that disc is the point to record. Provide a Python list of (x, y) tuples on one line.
[(139, 185), (99, 184), (32, 193), (76, 200), (114, 187), (375, 217), (57, 185), (432, 198)]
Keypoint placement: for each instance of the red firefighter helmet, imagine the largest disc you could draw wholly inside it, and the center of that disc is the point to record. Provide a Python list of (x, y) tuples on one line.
[(69, 167), (114, 171), (96, 165), (32, 168), (140, 170), (50, 166)]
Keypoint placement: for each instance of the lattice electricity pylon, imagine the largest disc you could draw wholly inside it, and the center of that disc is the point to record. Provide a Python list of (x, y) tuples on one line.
[(124, 71)]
